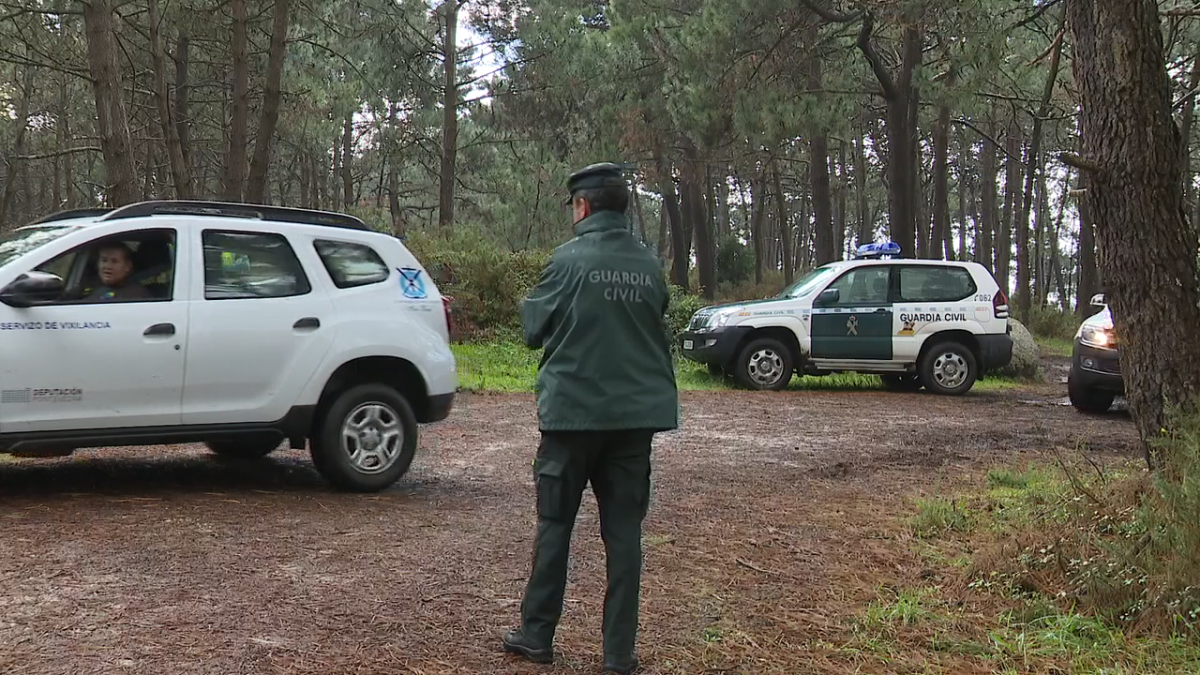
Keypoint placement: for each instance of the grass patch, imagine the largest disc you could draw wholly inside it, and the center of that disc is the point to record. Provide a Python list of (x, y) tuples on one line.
[(1056, 347), (511, 367), (938, 516)]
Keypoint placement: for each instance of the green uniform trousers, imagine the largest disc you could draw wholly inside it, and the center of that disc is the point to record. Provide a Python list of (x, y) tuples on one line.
[(617, 464)]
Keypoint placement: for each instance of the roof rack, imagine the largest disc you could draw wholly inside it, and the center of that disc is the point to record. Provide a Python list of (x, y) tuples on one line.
[(237, 210), (70, 213)]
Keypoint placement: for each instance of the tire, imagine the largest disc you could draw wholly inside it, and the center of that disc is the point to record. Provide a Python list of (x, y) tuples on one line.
[(905, 383), (765, 364), (245, 447), (948, 368), (1092, 401), (378, 409)]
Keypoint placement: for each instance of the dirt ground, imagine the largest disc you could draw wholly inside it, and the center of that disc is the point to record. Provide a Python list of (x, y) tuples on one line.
[(773, 520)]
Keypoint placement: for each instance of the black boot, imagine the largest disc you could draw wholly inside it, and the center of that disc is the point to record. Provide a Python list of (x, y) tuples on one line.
[(623, 666), (515, 642)]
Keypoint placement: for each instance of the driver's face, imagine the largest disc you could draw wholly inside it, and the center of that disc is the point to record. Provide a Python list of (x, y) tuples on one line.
[(114, 266)]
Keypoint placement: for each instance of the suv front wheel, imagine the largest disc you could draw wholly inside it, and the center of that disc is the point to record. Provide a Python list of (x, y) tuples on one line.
[(366, 439), (948, 368), (765, 363)]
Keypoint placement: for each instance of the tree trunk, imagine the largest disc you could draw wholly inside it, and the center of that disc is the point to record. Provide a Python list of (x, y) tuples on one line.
[(1131, 150), (181, 99), (839, 225), (449, 114), (348, 197), (111, 121), (691, 188), (18, 147), (758, 202), (1088, 279), (866, 229), (1185, 133), (1012, 205), (680, 252), (901, 132), (180, 175), (641, 215), (984, 252), (941, 186), (259, 164), (785, 228), (235, 159), (962, 214), (1033, 169)]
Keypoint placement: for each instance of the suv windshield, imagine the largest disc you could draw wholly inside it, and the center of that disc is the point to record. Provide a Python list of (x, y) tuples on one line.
[(809, 282), (19, 242)]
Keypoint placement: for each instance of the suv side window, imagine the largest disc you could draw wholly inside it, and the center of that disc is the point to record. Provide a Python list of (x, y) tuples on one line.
[(134, 266), (251, 265), (863, 286), (351, 264), (928, 283)]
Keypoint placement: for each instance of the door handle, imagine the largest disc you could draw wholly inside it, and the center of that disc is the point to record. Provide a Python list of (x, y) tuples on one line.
[(882, 310), (307, 322), (160, 329)]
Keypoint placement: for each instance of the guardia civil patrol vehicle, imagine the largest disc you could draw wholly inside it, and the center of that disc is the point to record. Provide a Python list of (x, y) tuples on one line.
[(240, 326), (917, 323)]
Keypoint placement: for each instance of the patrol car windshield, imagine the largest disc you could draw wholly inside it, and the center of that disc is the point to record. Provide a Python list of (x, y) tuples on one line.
[(19, 242), (808, 283)]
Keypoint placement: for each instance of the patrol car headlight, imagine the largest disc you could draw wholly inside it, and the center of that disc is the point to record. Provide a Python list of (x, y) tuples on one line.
[(1100, 337), (720, 319)]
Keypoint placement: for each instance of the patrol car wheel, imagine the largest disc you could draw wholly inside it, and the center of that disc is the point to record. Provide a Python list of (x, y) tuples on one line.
[(948, 368), (249, 447), (765, 363), (366, 439)]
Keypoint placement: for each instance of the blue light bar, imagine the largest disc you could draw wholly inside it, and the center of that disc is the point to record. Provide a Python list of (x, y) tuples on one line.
[(887, 248)]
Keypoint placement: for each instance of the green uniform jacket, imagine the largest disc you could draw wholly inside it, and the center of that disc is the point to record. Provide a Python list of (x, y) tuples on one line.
[(599, 314)]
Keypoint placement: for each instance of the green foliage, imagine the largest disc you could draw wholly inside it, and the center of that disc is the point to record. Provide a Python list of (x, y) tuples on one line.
[(734, 261), (487, 282), (683, 306)]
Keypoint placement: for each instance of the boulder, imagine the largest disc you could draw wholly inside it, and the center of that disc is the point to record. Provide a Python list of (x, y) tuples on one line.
[(1026, 357)]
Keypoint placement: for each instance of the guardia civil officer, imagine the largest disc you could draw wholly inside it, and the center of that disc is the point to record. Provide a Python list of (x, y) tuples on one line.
[(606, 385)]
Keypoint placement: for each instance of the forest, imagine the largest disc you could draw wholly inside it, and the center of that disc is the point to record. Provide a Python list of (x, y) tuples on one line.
[(765, 138)]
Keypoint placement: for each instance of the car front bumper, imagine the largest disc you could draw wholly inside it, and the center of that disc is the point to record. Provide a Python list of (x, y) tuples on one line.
[(715, 347), (1094, 368)]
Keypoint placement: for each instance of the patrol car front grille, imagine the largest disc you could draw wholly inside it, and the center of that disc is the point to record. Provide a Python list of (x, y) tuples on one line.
[(699, 319)]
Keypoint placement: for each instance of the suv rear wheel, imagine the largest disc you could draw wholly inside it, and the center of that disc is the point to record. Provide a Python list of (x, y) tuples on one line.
[(765, 363), (366, 439), (948, 368)]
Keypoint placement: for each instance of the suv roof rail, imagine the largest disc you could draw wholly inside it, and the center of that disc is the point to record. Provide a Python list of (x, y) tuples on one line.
[(71, 213), (238, 210)]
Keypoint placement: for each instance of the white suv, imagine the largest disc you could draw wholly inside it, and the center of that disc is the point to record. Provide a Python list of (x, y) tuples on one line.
[(932, 323), (239, 326)]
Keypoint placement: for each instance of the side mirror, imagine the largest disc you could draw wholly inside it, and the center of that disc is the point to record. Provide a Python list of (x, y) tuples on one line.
[(1097, 300), (829, 296), (32, 288)]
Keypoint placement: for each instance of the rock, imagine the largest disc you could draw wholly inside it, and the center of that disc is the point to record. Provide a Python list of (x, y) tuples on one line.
[(1026, 357)]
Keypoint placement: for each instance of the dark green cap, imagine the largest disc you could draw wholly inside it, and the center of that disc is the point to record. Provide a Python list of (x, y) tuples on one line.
[(603, 174)]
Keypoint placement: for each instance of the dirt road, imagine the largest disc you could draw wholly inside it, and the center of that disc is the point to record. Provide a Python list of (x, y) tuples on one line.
[(773, 515)]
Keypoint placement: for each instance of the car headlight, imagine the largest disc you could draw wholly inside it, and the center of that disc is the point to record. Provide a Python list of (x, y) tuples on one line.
[(1098, 336), (721, 318)]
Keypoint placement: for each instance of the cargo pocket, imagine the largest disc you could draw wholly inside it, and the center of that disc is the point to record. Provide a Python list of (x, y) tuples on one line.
[(552, 498)]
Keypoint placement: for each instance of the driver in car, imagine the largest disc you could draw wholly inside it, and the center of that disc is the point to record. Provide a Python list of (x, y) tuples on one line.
[(114, 265)]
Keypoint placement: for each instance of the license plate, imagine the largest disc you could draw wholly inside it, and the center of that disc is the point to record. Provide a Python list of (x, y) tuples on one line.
[(687, 344)]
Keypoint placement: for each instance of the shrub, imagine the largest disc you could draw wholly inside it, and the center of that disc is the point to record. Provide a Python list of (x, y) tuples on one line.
[(683, 306), (734, 261), (1049, 322)]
